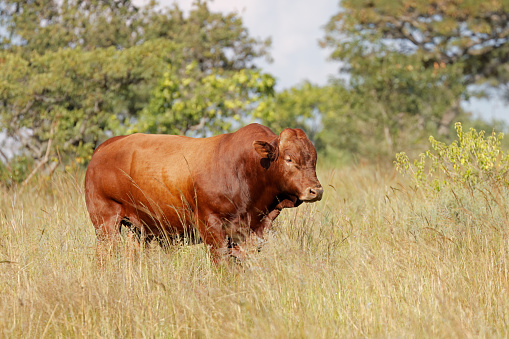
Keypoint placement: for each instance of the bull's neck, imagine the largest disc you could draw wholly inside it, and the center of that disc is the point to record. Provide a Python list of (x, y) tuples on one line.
[(267, 179), (261, 177)]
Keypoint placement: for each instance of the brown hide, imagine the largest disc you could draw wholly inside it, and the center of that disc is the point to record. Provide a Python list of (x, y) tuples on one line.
[(230, 186)]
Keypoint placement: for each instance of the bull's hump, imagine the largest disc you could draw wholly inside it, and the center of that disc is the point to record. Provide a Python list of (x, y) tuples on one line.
[(109, 142), (254, 127)]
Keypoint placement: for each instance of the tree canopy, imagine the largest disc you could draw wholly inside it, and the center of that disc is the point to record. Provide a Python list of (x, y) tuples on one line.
[(473, 33), (469, 38)]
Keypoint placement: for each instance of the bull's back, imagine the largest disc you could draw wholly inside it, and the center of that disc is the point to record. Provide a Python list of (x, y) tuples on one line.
[(164, 168)]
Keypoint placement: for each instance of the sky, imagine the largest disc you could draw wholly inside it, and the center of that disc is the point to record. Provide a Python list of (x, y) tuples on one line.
[(295, 27)]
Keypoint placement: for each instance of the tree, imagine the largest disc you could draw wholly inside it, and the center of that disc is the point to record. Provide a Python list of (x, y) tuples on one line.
[(471, 38), (61, 103), (301, 107), (213, 40), (201, 103), (403, 99)]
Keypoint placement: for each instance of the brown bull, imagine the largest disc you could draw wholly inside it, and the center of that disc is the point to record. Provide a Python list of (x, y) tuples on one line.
[(228, 187)]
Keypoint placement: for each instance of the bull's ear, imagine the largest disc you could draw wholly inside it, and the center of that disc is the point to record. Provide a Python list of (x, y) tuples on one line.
[(265, 149)]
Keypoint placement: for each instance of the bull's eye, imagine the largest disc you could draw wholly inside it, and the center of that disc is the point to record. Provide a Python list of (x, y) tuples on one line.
[(288, 159)]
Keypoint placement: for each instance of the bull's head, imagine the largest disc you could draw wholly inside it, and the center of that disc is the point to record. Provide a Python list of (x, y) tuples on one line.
[(294, 159)]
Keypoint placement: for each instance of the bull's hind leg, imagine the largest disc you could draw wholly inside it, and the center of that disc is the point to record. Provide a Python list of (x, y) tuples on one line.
[(106, 216), (136, 238), (214, 237)]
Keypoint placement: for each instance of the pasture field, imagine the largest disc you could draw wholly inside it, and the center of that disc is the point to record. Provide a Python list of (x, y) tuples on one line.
[(375, 258)]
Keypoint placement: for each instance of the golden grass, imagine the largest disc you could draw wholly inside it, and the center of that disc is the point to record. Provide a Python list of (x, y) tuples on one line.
[(367, 261)]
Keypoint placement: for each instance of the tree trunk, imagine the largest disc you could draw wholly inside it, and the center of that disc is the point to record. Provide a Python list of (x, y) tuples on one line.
[(388, 139), (448, 117)]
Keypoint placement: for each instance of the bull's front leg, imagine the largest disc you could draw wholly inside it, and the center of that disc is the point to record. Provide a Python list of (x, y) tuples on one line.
[(252, 235), (241, 236), (268, 218), (213, 235), (251, 244), (266, 222)]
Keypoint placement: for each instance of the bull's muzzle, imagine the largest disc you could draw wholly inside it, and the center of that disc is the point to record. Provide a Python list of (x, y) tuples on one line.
[(312, 194)]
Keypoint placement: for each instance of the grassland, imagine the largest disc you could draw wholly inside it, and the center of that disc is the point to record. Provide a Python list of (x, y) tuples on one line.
[(375, 258)]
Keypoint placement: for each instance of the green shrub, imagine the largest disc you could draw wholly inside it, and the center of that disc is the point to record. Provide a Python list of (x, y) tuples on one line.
[(17, 170), (470, 161), (467, 182)]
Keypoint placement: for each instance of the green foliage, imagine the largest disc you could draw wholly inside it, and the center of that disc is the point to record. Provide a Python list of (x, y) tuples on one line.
[(213, 40), (469, 162), (48, 25), (192, 101), (72, 97), (466, 182), (392, 85), (15, 171), (301, 106), (498, 125), (396, 99), (470, 33), (367, 117), (73, 73)]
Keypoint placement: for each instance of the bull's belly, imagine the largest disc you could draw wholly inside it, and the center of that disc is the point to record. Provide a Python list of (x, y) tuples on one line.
[(161, 219)]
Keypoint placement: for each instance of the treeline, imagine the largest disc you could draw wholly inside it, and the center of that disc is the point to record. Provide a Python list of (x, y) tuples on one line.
[(73, 73)]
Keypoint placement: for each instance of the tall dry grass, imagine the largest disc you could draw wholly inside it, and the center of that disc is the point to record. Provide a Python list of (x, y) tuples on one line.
[(375, 258)]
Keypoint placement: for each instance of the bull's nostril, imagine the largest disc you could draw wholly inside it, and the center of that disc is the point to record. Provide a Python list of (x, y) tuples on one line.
[(312, 191)]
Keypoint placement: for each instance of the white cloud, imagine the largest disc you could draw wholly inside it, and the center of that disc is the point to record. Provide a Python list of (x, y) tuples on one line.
[(295, 27)]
